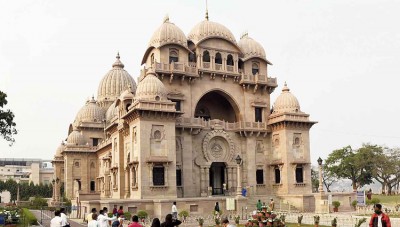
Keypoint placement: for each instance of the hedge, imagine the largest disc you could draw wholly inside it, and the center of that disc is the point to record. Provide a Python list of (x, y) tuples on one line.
[(29, 217)]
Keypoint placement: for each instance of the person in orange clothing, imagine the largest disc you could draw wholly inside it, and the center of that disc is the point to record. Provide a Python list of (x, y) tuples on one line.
[(379, 219)]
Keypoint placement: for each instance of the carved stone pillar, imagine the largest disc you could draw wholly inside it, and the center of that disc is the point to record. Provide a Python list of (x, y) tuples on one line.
[(230, 178), (127, 191), (207, 177)]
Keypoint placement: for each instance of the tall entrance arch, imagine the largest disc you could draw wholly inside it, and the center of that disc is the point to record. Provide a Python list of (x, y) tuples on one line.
[(216, 104), (217, 177)]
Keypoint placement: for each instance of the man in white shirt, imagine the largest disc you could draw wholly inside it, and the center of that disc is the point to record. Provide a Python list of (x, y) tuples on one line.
[(103, 219), (56, 221), (93, 222), (64, 218), (174, 211)]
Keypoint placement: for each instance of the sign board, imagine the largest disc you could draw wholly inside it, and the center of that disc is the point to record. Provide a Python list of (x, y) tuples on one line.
[(360, 198), (230, 203)]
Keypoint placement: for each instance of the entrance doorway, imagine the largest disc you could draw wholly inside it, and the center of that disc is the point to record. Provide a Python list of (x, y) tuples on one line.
[(217, 177)]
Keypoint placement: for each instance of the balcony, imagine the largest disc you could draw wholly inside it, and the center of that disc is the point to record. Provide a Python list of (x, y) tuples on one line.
[(189, 69), (258, 79), (195, 125)]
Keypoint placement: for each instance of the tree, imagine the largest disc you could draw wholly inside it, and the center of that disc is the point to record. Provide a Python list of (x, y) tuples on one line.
[(314, 179), (356, 165), (328, 178), (7, 124), (388, 169)]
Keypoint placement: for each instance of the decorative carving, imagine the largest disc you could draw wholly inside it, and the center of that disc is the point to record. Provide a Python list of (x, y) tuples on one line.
[(218, 146), (259, 146), (157, 134)]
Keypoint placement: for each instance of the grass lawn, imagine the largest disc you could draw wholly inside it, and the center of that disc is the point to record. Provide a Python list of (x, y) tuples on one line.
[(388, 199)]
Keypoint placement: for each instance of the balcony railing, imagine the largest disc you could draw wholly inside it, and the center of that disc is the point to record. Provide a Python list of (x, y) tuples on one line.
[(218, 67), (184, 122)]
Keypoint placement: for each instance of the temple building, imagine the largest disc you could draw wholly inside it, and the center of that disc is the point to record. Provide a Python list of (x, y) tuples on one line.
[(196, 126)]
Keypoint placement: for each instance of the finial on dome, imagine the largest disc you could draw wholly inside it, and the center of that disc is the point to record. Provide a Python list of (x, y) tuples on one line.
[(244, 34), (166, 19), (285, 87), (118, 63), (206, 10)]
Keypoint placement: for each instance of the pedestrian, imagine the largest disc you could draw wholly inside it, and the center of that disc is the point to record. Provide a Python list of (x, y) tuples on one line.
[(56, 221), (93, 222), (120, 211), (115, 211), (379, 219), (64, 218), (271, 204), (103, 219), (89, 216), (225, 223), (174, 211), (156, 223), (135, 222), (259, 205), (169, 222), (216, 208)]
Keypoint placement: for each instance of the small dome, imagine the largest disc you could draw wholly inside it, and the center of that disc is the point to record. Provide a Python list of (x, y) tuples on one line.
[(168, 33), (76, 138), (286, 102), (127, 94), (90, 112), (208, 29), (251, 48), (111, 112), (59, 150), (151, 88), (114, 83)]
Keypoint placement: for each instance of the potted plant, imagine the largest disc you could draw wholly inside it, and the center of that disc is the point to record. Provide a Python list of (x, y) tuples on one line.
[(200, 220), (183, 215), (237, 219), (354, 204), (217, 220), (142, 215), (299, 219), (334, 222), (316, 220), (336, 205)]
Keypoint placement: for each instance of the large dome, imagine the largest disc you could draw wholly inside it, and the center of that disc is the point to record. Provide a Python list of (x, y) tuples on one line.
[(251, 48), (168, 33), (114, 83), (90, 112), (151, 88), (208, 29), (76, 138), (286, 102)]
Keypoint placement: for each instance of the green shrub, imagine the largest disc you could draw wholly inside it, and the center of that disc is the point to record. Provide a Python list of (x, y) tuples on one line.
[(373, 201), (184, 214), (354, 203), (142, 214), (39, 202), (29, 217), (127, 216), (336, 204)]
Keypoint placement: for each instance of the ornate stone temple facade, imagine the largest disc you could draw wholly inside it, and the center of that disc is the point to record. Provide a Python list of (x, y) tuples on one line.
[(198, 123)]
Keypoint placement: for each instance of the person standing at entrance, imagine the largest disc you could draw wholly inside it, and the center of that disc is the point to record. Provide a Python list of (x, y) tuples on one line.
[(259, 205), (379, 219), (272, 204), (174, 211)]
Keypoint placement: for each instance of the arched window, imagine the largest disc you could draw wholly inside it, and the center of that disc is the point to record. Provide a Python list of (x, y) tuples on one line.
[(255, 68), (299, 174), (152, 59), (206, 56), (192, 57), (229, 60), (128, 159), (173, 55), (218, 58), (277, 175), (158, 175)]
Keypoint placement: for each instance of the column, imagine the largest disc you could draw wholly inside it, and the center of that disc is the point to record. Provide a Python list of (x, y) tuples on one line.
[(127, 182), (230, 178), (320, 188), (131, 176), (239, 181), (202, 180), (207, 177)]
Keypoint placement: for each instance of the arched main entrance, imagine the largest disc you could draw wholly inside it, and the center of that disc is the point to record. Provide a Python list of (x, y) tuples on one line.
[(217, 177), (217, 104)]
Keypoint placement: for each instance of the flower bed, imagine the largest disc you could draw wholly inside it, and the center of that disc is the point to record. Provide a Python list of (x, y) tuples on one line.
[(263, 219)]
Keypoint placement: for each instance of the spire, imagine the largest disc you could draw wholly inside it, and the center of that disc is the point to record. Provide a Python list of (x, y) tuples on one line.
[(206, 10), (244, 34), (285, 88), (166, 19), (118, 63)]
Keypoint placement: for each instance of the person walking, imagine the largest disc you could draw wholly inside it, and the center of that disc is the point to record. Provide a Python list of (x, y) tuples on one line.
[(103, 219), (379, 219), (259, 205), (135, 222), (174, 211), (56, 221), (64, 218), (271, 204), (120, 211), (93, 222)]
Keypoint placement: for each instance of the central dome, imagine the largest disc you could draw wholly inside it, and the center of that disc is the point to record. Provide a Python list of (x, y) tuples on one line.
[(114, 83), (208, 29)]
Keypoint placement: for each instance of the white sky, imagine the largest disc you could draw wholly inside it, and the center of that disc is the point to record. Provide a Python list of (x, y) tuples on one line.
[(339, 57)]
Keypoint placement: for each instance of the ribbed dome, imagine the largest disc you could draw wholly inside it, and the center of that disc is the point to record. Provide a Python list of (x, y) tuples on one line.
[(59, 150), (76, 138), (151, 88), (286, 102), (127, 94), (114, 83), (111, 112), (168, 33), (208, 29), (251, 48), (90, 112)]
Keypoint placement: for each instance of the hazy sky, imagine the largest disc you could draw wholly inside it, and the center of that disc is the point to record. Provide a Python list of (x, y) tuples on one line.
[(340, 58)]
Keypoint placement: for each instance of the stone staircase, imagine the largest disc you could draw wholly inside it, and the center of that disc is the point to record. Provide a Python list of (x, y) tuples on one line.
[(280, 204)]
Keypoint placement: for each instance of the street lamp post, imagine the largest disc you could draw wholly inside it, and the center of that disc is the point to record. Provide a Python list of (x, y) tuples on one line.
[(320, 188), (239, 176)]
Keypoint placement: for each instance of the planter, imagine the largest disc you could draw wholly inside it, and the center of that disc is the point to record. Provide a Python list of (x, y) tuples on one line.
[(335, 209), (316, 225)]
